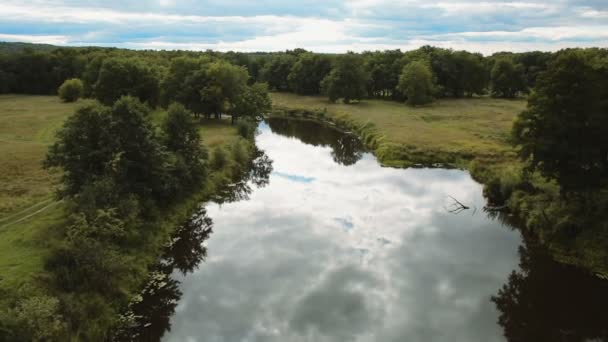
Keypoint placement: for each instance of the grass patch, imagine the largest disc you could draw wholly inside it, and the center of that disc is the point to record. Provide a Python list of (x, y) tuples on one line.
[(27, 127)]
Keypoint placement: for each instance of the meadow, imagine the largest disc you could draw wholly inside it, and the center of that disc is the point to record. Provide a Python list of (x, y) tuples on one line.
[(452, 131)]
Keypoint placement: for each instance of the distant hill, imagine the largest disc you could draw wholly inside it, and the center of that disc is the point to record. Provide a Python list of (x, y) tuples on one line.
[(8, 47)]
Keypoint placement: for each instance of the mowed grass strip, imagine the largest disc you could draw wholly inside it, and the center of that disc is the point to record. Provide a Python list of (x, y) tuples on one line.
[(473, 126)]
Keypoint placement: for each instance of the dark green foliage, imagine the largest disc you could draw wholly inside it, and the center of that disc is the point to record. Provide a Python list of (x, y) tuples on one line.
[(120, 143), (416, 83), (507, 78), (253, 101), (183, 82), (83, 147), (564, 131), (308, 72), (384, 69), (458, 73), (219, 160), (126, 76), (71, 90), (204, 87), (247, 127), (347, 80), (182, 138), (277, 70), (35, 318), (225, 83)]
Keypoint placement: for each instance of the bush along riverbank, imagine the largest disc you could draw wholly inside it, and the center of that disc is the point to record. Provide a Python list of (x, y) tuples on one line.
[(128, 184), (574, 230)]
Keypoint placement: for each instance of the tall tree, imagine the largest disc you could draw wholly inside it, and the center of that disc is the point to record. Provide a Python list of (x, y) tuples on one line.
[(416, 83), (276, 71), (252, 102), (564, 131), (126, 76), (225, 83), (347, 80), (507, 78), (384, 69), (117, 142), (308, 72)]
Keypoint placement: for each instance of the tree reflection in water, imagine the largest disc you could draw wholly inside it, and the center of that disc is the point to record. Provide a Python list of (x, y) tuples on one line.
[(547, 301), (149, 315), (346, 149), (257, 174)]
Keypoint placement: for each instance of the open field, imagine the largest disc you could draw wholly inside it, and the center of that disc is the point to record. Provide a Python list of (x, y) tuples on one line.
[(27, 128), (468, 128), (28, 211)]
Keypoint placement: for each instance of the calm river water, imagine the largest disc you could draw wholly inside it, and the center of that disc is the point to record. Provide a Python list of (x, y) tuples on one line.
[(324, 244)]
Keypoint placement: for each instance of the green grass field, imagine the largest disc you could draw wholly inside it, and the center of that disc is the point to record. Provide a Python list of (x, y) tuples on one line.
[(474, 127), (28, 210)]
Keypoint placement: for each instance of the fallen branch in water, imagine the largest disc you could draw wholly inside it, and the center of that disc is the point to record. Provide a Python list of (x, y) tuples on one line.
[(457, 207)]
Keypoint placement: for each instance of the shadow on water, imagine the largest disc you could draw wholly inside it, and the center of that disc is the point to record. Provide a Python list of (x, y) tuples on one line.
[(547, 301), (148, 317), (346, 148)]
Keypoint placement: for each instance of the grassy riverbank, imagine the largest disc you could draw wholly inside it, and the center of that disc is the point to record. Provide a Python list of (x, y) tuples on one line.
[(470, 134), (451, 131), (32, 221)]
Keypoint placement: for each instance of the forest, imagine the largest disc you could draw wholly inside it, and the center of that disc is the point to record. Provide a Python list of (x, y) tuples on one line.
[(122, 170)]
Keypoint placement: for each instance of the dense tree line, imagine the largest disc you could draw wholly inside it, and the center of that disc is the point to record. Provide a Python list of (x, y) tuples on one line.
[(151, 76)]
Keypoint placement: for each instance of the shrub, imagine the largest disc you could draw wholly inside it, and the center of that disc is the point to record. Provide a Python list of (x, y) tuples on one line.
[(220, 158), (239, 153), (71, 90), (246, 128)]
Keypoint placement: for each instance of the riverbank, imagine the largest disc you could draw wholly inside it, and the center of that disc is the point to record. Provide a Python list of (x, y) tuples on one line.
[(469, 134), (33, 222)]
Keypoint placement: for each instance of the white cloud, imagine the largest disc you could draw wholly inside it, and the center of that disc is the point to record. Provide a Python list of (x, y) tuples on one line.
[(486, 26), (39, 39)]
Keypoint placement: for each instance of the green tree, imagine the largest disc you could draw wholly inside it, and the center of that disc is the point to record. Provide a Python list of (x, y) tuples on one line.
[(126, 76), (416, 83), (564, 131), (252, 102), (71, 90), (225, 84), (347, 79), (308, 72), (183, 139), (507, 78), (276, 71), (384, 69), (183, 81), (118, 142)]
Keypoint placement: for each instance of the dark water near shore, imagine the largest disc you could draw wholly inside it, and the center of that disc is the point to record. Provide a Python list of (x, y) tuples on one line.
[(321, 243)]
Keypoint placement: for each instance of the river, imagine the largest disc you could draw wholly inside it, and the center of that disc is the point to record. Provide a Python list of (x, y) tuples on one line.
[(324, 244)]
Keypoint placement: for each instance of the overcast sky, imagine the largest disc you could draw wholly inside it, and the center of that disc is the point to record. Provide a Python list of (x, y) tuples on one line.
[(318, 25)]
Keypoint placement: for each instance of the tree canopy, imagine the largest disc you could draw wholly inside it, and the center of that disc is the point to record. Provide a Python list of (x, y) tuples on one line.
[(416, 83), (507, 78), (564, 131), (347, 80), (307, 73), (126, 76), (71, 90)]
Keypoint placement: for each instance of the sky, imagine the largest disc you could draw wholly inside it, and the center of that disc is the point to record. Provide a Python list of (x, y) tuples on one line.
[(317, 25)]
